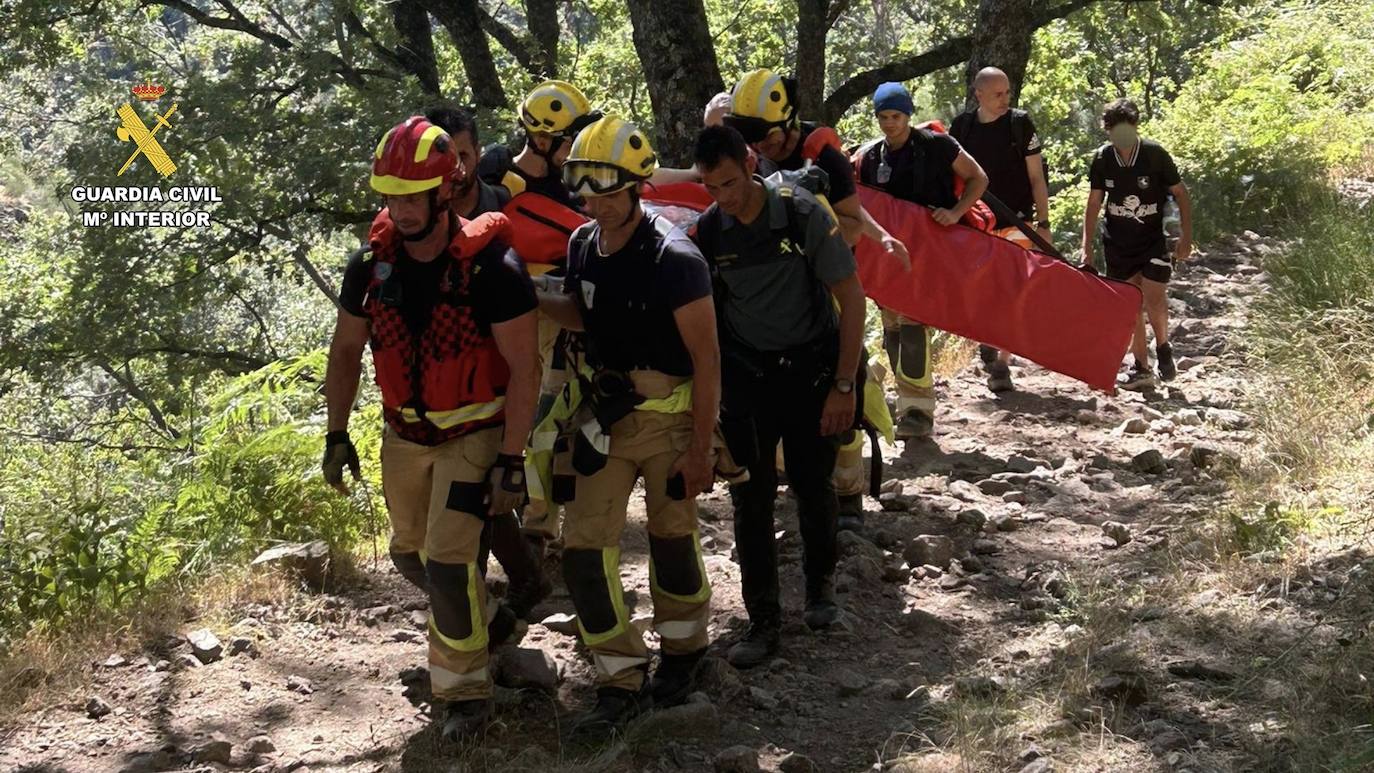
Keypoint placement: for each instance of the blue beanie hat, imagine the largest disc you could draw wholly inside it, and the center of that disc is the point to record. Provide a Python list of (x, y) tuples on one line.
[(892, 96)]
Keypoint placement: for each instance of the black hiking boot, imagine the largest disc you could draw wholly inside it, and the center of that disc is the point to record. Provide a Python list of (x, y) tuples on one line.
[(674, 678), (757, 647), (503, 628), (615, 707), (525, 596), (465, 720), (999, 377), (915, 425), (1164, 359), (821, 609), (851, 516), (1138, 379)]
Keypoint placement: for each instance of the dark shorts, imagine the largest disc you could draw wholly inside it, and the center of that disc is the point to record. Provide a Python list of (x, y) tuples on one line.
[(1155, 268)]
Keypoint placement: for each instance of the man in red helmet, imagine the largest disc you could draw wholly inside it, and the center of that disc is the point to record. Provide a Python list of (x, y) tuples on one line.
[(451, 323)]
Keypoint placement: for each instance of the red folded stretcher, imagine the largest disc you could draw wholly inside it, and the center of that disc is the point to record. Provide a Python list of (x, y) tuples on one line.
[(991, 290)]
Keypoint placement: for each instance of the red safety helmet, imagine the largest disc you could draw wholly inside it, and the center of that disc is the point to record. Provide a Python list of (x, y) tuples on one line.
[(414, 156)]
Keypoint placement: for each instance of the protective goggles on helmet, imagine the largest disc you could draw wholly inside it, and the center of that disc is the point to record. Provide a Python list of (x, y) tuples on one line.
[(593, 178), (753, 129)]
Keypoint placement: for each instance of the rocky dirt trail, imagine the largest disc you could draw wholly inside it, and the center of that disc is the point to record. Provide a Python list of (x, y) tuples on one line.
[(1023, 506)]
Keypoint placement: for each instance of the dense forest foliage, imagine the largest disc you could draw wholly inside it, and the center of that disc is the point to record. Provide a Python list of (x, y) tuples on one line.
[(162, 413)]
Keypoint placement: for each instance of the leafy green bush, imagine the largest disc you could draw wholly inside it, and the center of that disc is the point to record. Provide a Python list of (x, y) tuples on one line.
[(84, 528), (1257, 132)]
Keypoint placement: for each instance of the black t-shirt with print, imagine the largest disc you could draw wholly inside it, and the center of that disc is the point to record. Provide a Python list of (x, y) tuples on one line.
[(921, 171), (629, 296), (1135, 199), (1001, 147)]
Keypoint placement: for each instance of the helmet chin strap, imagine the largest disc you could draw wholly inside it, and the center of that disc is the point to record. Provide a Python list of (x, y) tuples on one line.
[(434, 213)]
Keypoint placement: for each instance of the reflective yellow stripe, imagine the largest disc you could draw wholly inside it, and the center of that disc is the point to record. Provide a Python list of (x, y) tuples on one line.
[(703, 593), (610, 566), (426, 141), (680, 401), (875, 408), (468, 413), (381, 144), (478, 639)]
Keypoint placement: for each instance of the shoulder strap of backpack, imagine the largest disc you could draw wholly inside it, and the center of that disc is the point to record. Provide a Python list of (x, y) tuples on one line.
[(958, 128)]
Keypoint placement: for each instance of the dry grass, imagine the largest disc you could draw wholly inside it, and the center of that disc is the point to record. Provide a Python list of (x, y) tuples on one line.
[(48, 663)]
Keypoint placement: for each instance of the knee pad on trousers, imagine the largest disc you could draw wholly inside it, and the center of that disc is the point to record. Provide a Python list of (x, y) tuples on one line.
[(593, 579), (913, 358), (412, 568), (892, 340), (454, 605), (470, 498), (675, 567)]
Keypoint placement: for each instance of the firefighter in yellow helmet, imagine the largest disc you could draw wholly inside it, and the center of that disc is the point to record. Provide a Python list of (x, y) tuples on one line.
[(551, 114), (650, 391)]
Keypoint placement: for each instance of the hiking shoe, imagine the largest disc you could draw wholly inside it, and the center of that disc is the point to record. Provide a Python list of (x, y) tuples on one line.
[(821, 609), (502, 628), (523, 597), (674, 678), (1164, 359), (988, 354), (1138, 378), (851, 516), (757, 647), (615, 707), (463, 720), (915, 425), (999, 377)]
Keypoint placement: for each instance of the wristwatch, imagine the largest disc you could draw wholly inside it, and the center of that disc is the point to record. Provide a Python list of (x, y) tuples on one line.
[(844, 385), (1045, 224)]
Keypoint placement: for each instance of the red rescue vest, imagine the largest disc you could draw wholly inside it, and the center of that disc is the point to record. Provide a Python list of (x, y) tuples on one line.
[(448, 379)]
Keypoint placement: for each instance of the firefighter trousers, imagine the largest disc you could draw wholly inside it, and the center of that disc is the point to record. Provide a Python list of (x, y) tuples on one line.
[(908, 352), (434, 497), (644, 443)]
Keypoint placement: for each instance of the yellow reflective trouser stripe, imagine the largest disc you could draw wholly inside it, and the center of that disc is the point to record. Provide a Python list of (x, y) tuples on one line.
[(875, 409), (680, 401), (703, 593), (856, 442), (447, 419), (539, 454), (610, 566), (477, 640)]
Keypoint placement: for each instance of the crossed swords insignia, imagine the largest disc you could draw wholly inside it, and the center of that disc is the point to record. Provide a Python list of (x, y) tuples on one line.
[(147, 145)]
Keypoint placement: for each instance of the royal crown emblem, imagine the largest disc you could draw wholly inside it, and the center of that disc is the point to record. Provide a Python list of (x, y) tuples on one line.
[(148, 92)]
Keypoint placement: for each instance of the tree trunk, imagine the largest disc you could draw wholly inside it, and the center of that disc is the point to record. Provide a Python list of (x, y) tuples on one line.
[(461, 19), (947, 54), (679, 61), (541, 16), (811, 32), (1002, 39), (416, 49)]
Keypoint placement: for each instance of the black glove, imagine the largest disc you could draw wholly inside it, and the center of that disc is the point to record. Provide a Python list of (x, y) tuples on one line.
[(506, 484), (338, 453)]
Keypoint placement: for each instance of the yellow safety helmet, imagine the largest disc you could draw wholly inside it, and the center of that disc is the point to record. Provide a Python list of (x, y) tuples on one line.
[(554, 107), (761, 102), (608, 156)]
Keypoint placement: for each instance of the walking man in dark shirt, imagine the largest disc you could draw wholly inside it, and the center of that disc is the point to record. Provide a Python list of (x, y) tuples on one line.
[(789, 367), (1003, 141), (1135, 177), (929, 168)]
